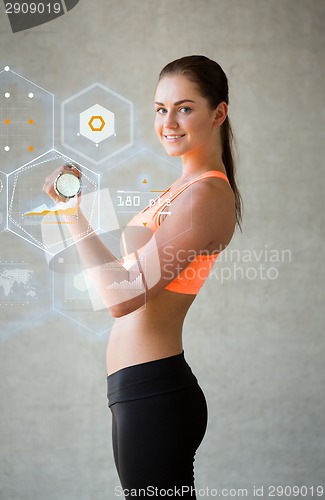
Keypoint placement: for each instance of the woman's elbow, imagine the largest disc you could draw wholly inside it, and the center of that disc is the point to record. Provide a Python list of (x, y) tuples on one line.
[(116, 311)]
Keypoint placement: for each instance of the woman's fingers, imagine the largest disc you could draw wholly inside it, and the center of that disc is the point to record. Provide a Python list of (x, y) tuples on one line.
[(74, 170)]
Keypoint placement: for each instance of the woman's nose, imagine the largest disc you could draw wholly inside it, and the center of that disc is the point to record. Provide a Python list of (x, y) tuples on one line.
[(170, 121)]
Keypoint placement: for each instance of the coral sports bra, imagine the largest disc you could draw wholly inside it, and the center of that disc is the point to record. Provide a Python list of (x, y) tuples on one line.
[(193, 276)]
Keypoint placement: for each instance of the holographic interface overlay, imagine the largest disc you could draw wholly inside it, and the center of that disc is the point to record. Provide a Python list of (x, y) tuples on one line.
[(74, 295), (35, 217), (130, 265), (26, 120), (97, 123), (134, 184), (137, 181), (25, 284), (3, 201), (109, 278)]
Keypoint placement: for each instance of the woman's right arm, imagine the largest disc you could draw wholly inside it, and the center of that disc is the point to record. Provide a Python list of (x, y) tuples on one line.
[(202, 214)]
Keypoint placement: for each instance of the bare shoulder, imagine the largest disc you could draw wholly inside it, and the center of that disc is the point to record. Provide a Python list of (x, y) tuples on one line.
[(216, 190), (212, 203), (212, 196)]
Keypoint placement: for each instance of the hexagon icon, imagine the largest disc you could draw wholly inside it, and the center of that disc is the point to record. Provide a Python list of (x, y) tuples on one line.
[(96, 127), (72, 297), (97, 123), (137, 181), (36, 218), (81, 281), (26, 120)]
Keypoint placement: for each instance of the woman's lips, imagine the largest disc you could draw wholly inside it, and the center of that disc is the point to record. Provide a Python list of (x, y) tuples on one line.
[(173, 137)]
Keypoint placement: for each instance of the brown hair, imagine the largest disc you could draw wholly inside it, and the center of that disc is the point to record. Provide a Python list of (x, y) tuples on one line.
[(213, 85)]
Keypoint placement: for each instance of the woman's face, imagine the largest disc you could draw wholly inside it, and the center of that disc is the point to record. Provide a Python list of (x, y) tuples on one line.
[(184, 120)]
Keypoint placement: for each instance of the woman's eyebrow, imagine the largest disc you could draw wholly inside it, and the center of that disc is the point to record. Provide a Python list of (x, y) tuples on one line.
[(177, 103)]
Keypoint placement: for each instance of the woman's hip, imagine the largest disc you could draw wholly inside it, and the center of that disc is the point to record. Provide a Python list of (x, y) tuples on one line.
[(152, 378), (158, 405)]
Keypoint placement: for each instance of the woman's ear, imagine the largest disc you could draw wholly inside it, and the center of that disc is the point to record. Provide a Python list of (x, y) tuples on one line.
[(221, 113)]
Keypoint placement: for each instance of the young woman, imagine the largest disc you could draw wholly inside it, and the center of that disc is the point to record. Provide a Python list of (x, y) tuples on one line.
[(159, 412)]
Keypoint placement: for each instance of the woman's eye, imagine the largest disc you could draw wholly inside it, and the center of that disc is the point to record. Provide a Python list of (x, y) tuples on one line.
[(161, 111), (185, 109)]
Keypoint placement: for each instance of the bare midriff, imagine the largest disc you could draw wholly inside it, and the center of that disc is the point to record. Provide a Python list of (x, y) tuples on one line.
[(152, 332)]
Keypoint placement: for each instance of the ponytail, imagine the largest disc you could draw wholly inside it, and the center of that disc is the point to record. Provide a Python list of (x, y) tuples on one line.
[(227, 139)]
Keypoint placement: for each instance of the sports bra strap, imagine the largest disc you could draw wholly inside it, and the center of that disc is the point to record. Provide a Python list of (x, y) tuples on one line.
[(210, 173)]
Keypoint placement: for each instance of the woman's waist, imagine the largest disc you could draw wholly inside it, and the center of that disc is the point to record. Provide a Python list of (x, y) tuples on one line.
[(147, 334), (154, 320), (134, 345)]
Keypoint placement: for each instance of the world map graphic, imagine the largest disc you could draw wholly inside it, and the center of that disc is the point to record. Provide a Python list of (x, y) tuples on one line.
[(16, 285)]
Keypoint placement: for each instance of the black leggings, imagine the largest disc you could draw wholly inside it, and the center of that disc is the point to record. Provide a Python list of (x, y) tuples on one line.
[(159, 419)]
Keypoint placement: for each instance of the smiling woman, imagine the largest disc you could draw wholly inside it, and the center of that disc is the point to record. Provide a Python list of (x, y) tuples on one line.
[(191, 129), (159, 412)]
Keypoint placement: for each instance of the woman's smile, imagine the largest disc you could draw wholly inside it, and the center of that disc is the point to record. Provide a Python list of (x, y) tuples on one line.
[(185, 122), (173, 137)]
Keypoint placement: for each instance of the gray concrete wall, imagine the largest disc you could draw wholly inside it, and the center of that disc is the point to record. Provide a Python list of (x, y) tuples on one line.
[(255, 344)]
